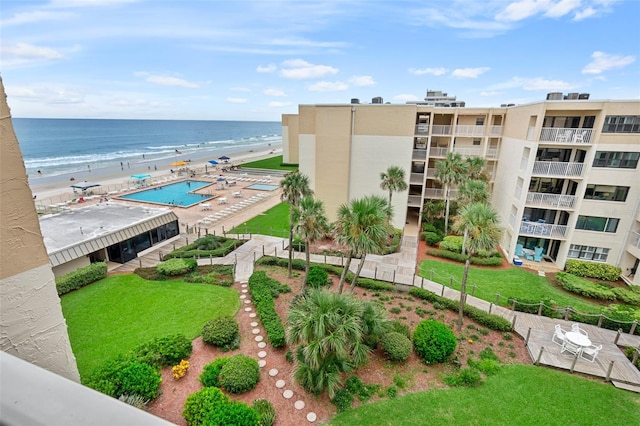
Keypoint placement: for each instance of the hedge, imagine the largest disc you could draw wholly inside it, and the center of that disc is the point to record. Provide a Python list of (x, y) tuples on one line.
[(434, 341), (261, 288), (211, 407), (495, 260), (584, 287), (176, 266), (203, 247), (592, 270), (452, 243), (164, 351), (81, 277)]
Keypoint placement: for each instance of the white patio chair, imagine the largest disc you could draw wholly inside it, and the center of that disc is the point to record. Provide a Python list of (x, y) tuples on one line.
[(567, 346), (590, 353), (576, 329), (558, 335)]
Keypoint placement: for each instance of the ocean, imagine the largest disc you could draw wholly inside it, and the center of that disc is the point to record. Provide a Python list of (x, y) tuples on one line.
[(53, 147)]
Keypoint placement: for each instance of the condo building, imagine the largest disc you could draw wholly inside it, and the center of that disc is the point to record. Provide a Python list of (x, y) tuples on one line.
[(563, 172)]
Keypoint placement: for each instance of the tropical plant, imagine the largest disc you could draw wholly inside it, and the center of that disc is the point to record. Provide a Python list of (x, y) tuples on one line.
[(432, 210), (473, 191), (295, 186), (311, 224), (363, 226), (393, 180), (450, 171), (475, 168), (479, 223)]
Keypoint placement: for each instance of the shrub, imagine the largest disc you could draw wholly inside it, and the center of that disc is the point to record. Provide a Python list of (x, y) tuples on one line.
[(262, 292), (433, 341), (239, 374), (359, 389), (396, 346), (431, 238), (486, 366), (176, 266), (343, 400), (81, 277), (446, 254), (149, 274), (266, 412), (628, 295), (464, 377), (392, 391), (164, 351), (208, 246), (584, 287), (198, 405), (211, 372), (233, 413), (601, 271), (223, 332), (395, 310), (317, 277), (452, 243), (402, 328), (125, 375)]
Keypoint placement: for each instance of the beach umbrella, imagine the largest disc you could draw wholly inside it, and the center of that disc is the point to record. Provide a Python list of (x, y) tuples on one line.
[(178, 164), (224, 158), (84, 185), (221, 179), (214, 162)]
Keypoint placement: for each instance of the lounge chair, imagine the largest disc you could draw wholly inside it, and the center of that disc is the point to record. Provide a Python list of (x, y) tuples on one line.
[(576, 329), (590, 353), (537, 254), (558, 335), (519, 251)]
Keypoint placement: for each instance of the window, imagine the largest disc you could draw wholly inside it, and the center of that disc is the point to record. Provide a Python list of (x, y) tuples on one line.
[(561, 122), (606, 192), (476, 142), (616, 159), (621, 124), (598, 254), (525, 158), (480, 121), (600, 224)]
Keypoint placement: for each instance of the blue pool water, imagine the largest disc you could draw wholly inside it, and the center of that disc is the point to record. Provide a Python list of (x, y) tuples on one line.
[(263, 187), (176, 194)]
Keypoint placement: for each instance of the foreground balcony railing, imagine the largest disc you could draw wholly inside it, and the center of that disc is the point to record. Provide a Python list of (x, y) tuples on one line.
[(557, 201), (414, 201), (422, 129), (469, 152), (438, 193), (466, 130), (416, 178), (495, 130), (492, 153), (439, 129), (419, 155), (431, 173), (438, 152), (562, 135), (555, 168), (544, 230)]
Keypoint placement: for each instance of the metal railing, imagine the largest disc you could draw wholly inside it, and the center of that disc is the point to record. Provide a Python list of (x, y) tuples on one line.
[(468, 152), (467, 130), (419, 155), (438, 152), (439, 193), (544, 230), (495, 130), (556, 168), (422, 129), (439, 129), (562, 135), (492, 153), (416, 178), (558, 201), (414, 201)]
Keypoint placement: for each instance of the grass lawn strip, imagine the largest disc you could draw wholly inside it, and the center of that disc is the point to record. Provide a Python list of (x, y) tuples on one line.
[(114, 315), (273, 163), (274, 221)]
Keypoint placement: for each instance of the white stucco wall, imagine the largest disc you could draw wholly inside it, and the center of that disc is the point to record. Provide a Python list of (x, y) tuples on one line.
[(71, 266), (307, 164)]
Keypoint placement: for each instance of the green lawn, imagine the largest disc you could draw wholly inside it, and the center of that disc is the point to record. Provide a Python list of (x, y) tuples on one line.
[(274, 221), (517, 395), (118, 313), (512, 282), (273, 163)]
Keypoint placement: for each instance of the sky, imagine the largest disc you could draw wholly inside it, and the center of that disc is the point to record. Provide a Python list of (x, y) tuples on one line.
[(257, 60)]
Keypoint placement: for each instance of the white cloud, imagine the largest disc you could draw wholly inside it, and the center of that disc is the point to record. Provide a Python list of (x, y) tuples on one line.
[(536, 83), (45, 95), (362, 81), (523, 9), (405, 98), (328, 86), (429, 71), (166, 80), (34, 16), (469, 72), (587, 12), (267, 68), (237, 100), (561, 8), (298, 69), (603, 62), (30, 51), (274, 92), (276, 104)]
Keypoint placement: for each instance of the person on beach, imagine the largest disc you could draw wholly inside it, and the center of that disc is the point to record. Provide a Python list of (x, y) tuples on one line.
[(121, 166), (128, 166), (155, 167), (39, 172), (89, 167)]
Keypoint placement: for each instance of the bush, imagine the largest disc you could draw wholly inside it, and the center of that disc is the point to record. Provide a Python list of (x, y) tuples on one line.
[(464, 377), (396, 346), (343, 400), (223, 332), (208, 246), (211, 372), (199, 405), (481, 261), (601, 271), (261, 288), (81, 277), (584, 287), (239, 374), (125, 375), (431, 238), (402, 328), (164, 351), (233, 413), (359, 389), (266, 412), (176, 266), (628, 295), (149, 274), (452, 243), (433, 341), (317, 277)]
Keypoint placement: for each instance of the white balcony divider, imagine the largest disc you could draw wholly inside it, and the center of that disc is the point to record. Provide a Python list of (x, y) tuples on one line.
[(468, 152), (439, 129), (438, 152), (439, 193), (492, 153), (467, 130), (415, 201), (556, 168), (495, 130), (544, 230), (562, 135), (558, 201), (422, 129)]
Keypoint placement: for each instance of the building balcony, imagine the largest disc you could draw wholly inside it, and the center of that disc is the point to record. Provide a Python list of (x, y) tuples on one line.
[(468, 152), (552, 201), (438, 152), (495, 130), (492, 153), (543, 230), (439, 129), (414, 201), (416, 178), (431, 173), (419, 155), (557, 168), (422, 129), (466, 130), (562, 136), (634, 245), (438, 193)]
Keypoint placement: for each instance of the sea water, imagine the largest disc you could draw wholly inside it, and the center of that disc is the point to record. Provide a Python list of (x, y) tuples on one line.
[(60, 146)]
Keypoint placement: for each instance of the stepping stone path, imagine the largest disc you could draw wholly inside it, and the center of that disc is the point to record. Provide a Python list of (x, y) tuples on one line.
[(273, 372), (262, 363), (243, 296), (288, 394), (254, 324), (262, 354), (259, 338), (262, 345), (252, 315), (299, 405), (247, 309), (247, 301), (245, 290), (280, 384), (256, 331), (311, 417)]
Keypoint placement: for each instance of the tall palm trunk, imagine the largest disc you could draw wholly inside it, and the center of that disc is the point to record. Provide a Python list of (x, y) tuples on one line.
[(308, 263), (345, 271), (355, 278), (290, 244), (463, 291), (446, 211)]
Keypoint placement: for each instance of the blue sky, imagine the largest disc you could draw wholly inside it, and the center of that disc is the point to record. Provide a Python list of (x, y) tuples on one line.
[(255, 60)]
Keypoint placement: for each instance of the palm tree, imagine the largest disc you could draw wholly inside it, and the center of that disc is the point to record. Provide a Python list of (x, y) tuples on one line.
[(363, 226), (449, 171), (311, 224), (295, 186), (473, 191), (393, 180), (475, 168), (480, 224)]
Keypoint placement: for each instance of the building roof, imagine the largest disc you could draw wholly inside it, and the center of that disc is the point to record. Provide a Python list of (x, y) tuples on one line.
[(79, 232)]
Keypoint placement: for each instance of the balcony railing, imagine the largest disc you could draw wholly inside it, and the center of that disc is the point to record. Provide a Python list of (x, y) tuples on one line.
[(439, 129), (419, 155), (438, 152), (495, 130), (634, 241), (554, 201), (431, 173), (466, 130), (544, 230), (468, 152), (414, 201), (492, 153), (556, 168), (562, 135), (416, 178), (439, 193), (422, 129)]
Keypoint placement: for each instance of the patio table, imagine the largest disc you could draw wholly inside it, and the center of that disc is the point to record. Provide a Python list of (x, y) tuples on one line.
[(577, 339)]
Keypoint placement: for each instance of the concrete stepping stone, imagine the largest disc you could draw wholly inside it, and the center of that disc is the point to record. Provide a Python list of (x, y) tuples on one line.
[(311, 417), (256, 331), (247, 309), (280, 384), (262, 354), (262, 363), (251, 315), (247, 301), (299, 405), (273, 372), (288, 394), (253, 324), (259, 338), (244, 286), (245, 290), (262, 345), (243, 296)]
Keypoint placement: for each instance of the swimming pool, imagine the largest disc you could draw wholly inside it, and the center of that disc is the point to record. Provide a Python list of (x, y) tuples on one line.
[(262, 187), (176, 194)]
